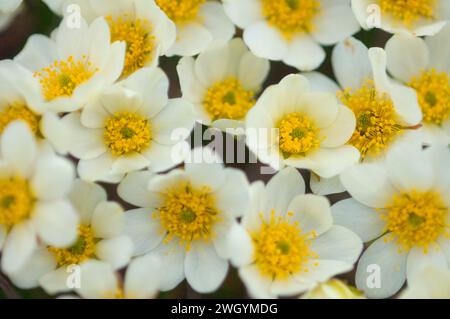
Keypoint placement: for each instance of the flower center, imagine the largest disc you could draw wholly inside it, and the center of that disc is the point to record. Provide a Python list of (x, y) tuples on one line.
[(281, 249), (63, 77), (137, 35), (228, 100), (188, 214), (433, 91), (408, 11), (416, 219), (180, 11), (377, 123), (126, 133), (298, 135), (83, 249), (291, 16), (19, 112), (16, 201)]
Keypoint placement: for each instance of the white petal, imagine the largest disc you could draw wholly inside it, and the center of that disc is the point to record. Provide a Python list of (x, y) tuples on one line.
[(85, 197), (53, 177), (326, 186), (129, 163), (116, 251), (304, 54), (338, 243), (56, 222), (18, 248), (240, 245), (233, 196), (98, 169), (205, 168), (257, 285), (341, 130), (191, 87), (98, 280), (312, 212), (107, 220), (56, 281), (351, 63), (439, 49), (382, 262), (321, 270), (216, 21), (133, 189), (172, 258), (253, 71), (321, 83), (243, 13), (208, 68), (18, 148), (205, 270), (364, 221), (418, 260), (142, 277), (368, 184), (406, 103), (266, 42), (192, 39), (145, 232)]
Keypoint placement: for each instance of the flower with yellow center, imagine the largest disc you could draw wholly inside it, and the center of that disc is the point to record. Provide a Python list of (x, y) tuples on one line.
[(281, 247), (100, 281), (99, 238), (292, 31), (184, 218), (286, 128), (137, 34), (63, 77), (198, 22), (29, 198), (402, 205), (421, 64), (223, 83), (128, 127), (417, 17)]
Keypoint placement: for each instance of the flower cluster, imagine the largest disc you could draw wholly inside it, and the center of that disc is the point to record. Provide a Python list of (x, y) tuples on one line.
[(107, 192)]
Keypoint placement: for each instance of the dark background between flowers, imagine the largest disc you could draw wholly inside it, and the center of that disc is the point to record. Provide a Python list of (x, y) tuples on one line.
[(37, 18)]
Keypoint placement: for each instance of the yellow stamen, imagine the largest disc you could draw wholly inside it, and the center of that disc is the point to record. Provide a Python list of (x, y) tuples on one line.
[(433, 91), (291, 17), (408, 11), (281, 247), (127, 133), (180, 11), (137, 33), (188, 214), (21, 112), (63, 77), (298, 135), (83, 249), (228, 100), (416, 219), (377, 123), (16, 201)]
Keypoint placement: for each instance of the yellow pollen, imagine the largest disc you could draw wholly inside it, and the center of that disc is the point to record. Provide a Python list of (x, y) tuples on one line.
[(188, 214), (127, 133), (408, 11), (137, 34), (83, 249), (377, 123), (16, 201), (298, 135), (63, 77), (433, 91), (21, 112), (291, 17), (281, 248), (416, 219), (180, 11), (228, 100)]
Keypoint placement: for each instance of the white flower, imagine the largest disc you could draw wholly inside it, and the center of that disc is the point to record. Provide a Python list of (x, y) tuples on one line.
[(100, 281), (294, 126), (34, 183), (130, 126), (198, 23), (386, 112), (223, 83), (9, 9), (429, 283), (333, 289), (422, 17), (64, 73), (185, 217), (403, 206), (287, 243), (292, 31), (424, 66), (146, 30), (99, 237)]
